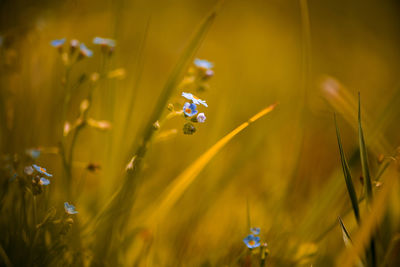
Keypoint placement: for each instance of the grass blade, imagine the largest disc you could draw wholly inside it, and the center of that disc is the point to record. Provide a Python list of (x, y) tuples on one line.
[(114, 216), (347, 176), (183, 181), (174, 80), (367, 178), (364, 156), (346, 236), (120, 196), (370, 222), (347, 241)]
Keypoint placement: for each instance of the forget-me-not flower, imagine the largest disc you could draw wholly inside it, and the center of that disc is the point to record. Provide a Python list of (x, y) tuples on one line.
[(203, 64), (86, 52), (189, 109), (41, 170), (104, 41), (44, 181), (252, 241), (57, 43), (195, 99), (255, 230), (69, 208)]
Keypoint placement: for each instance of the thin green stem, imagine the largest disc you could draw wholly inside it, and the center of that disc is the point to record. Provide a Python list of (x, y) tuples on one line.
[(67, 90)]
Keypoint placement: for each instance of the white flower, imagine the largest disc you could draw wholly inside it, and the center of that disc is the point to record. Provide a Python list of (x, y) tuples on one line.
[(195, 99), (201, 117)]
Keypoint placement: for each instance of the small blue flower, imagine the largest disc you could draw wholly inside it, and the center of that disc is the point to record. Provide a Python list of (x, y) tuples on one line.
[(41, 170), (33, 153), (255, 230), (86, 52), (201, 117), (44, 181), (195, 99), (189, 109), (104, 41), (252, 241), (203, 64), (69, 208), (57, 43)]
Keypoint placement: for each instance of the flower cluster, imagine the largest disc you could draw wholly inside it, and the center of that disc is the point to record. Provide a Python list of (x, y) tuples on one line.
[(38, 179), (76, 52), (190, 111), (253, 242), (107, 45), (195, 79)]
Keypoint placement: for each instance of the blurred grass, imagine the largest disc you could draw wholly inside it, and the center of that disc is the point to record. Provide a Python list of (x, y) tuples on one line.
[(287, 168)]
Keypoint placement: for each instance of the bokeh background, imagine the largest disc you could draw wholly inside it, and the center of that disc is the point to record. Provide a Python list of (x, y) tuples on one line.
[(311, 57)]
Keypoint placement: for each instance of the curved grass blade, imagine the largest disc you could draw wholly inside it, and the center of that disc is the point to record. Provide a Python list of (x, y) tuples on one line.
[(174, 80), (113, 218), (126, 190), (347, 176), (346, 236), (186, 178), (347, 240), (380, 172)]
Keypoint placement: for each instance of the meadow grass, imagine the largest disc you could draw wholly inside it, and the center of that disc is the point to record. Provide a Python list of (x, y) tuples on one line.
[(150, 134)]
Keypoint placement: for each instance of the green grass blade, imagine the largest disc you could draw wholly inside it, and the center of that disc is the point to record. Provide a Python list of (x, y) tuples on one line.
[(372, 220), (170, 85), (116, 212), (346, 236), (174, 79), (363, 156), (367, 178), (347, 176), (176, 189), (347, 241)]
